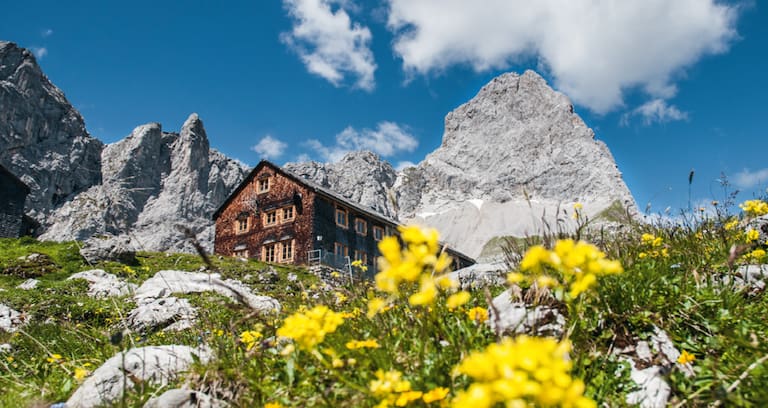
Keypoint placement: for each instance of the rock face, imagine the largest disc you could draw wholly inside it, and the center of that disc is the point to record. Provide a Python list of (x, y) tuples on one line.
[(42, 137), (511, 159), (362, 177), (153, 181)]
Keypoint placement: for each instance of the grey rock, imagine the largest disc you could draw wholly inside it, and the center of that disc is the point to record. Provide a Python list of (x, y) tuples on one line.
[(108, 248), (28, 284), (362, 177), (750, 277), (43, 139), (480, 275), (657, 356), (760, 224), (156, 308), (519, 318), (10, 320), (157, 365), (103, 284), (178, 398), (154, 181), (5, 348)]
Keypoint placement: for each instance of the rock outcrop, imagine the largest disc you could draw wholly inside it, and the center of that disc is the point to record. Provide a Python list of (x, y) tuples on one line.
[(43, 139), (153, 182), (362, 177)]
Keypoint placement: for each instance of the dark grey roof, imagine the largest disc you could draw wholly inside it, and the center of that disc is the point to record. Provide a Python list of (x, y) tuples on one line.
[(12, 177)]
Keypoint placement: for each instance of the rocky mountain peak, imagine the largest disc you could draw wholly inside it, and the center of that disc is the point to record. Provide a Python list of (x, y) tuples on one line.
[(43, 138)]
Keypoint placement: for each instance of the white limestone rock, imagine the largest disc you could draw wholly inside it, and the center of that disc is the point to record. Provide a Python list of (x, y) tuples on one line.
[(480, 275), (179, 398), (10, 320), (103, 284), (43, 139), (108, 248), (519, 318), (28, 284), (157, 365), (157, 308)]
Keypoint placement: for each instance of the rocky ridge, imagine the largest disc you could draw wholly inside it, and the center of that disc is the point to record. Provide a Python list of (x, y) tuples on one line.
[(511, 160), (43, 139)]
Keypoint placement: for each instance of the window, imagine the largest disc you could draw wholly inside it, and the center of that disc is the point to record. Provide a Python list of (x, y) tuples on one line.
[(340, 250), (361, 256), (341, 218), (263, 185), (378, 233), (243, 253), (287, 251), (270, 218), (242, 225), (288, 214), (361, 226), (270, 253)]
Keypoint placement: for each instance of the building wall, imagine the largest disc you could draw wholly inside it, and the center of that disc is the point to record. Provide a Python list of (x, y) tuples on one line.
[(12, 197), (325, 227), (251, 204)]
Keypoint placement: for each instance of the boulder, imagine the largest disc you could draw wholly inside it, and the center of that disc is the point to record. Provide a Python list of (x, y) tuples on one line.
[(178, 398), (28, 284), (519, 318), (108, 248), (167, 312), (10, 320), (103, 284), (480, 276), (157, 365)]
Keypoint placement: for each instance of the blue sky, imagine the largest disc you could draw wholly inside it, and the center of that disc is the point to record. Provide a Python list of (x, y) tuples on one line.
[(668, 86)]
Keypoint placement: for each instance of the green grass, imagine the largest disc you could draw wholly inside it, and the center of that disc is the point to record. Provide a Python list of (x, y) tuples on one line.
[(725, 328)]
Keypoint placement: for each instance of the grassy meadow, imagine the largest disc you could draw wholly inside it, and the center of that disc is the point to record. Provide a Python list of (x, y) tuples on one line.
[(410, 338)]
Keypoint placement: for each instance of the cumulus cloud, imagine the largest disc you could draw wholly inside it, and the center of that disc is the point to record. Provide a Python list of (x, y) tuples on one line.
[(594, 50), (404, 164), (386, 140), (655, 111), (748, 179), (329, 43), (46, 33), (269, 147), (39, 52)]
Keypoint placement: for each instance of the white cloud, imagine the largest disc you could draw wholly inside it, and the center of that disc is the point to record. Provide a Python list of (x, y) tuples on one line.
[(329, 43), (404, 164), (269, 147), (655, 111), (39, 52), (749, 179), (594, 50), (46, 33), (386, 140)]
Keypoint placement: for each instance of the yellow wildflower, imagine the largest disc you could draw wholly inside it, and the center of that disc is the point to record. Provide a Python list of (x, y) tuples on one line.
[(337, 363), (437, 394), (577, 206), (273, 405), (406, 397), (731, 224), (310, 328), (249, 338), (80, 374), (754, 208), (375, 306), (288, 350), (515, 278), (457, 299), (756, 255), (478, 314), (426, 294), (358, 344), (359, 264), (525, 371), (55, 358), (545, 281), (388, 382), (686, 357), (752, 235)]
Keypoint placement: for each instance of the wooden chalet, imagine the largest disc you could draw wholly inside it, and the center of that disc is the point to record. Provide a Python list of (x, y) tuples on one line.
[(13, 193), (280, 217)]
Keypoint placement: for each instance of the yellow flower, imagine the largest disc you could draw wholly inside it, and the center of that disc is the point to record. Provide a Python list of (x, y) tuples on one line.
[(388, 382), (249, 338), (577, 206), (80, 374), (754, 208), (55, 358), (686, 357), (437, 394), (358, 344), (457, 299), (478, 314), (375, 306), (756, 255), (337, 363), (546, 281), (288, 350), (273, 405), (406, 397), (752, 235), (426, 294), (642, 255), (359, 264), (525, 371), (219, 332), (310, 328), (731, 224), (515, 277), (340, 297)]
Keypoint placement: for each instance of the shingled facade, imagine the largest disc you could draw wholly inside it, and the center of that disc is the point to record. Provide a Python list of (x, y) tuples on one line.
[(277, 216), (13, 193)]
